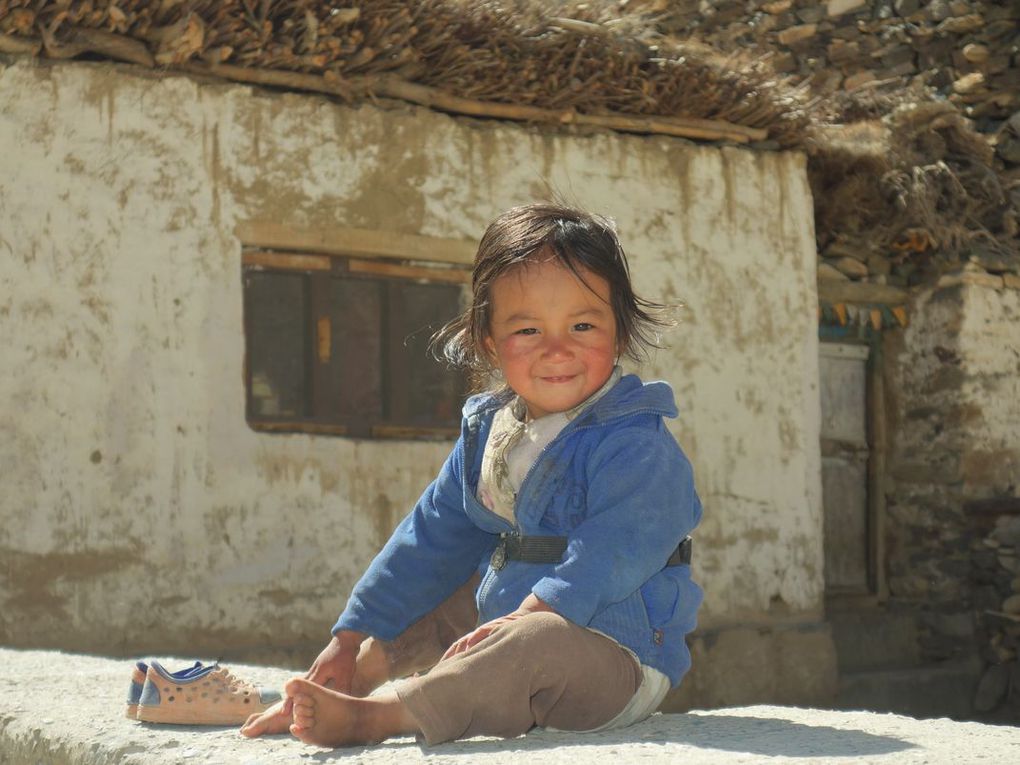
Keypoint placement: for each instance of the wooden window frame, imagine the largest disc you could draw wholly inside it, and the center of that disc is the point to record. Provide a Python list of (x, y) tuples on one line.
[(379, 256)]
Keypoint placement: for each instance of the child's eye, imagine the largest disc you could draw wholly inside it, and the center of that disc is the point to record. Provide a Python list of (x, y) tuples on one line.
[(583, 326), (527, 331)]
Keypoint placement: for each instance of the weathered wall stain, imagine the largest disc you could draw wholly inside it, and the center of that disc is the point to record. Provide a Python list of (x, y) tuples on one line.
[(37, 583)]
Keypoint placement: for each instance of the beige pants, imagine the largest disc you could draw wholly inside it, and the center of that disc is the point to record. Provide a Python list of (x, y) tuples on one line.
[(540, 669)]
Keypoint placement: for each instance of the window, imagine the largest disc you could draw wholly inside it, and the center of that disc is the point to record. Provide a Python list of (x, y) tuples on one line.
[(339, 345)]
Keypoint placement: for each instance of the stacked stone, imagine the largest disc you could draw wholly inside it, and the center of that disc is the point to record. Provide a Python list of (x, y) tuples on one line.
[(861, 59), (997, 599), (967, 50), (842, 262), (851, 262)]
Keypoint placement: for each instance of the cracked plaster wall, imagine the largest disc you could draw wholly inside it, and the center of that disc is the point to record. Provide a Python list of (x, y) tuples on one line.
[(954, 414), (139, 511)]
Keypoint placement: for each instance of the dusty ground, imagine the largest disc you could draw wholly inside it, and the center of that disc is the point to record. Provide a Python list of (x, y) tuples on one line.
[(59, 708)]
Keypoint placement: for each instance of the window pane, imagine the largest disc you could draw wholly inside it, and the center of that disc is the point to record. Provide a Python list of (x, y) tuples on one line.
[(349, 352), (423, 391), (355, 371), (275, 310)]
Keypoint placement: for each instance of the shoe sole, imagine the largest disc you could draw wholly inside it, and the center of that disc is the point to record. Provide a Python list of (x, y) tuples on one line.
[(184, 716)]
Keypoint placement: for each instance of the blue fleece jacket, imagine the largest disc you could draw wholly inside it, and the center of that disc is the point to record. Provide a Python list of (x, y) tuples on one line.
[(614, 482)]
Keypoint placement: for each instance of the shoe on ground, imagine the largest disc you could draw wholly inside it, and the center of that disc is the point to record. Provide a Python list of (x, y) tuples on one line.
[(138, 673), (209, 696)]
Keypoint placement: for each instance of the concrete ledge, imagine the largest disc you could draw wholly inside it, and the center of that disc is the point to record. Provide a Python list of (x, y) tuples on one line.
[(736, 665), (60, 708)]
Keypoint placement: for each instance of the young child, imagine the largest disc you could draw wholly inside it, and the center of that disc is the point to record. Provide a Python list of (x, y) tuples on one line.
[(558, 523)]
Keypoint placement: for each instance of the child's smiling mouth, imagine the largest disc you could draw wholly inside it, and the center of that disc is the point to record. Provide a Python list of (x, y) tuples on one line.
[(559, 378)]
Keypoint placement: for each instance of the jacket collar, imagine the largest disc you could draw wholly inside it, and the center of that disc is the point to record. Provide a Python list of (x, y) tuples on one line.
[(628, 396)]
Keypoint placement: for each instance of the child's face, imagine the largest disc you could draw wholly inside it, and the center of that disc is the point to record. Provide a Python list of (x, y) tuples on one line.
[(553, 337)]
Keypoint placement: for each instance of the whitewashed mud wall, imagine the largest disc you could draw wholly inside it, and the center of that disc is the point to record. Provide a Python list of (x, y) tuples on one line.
[(953, 485), (139, 512)]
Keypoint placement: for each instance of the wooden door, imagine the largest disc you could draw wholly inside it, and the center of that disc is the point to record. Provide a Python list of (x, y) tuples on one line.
[(843, 373)]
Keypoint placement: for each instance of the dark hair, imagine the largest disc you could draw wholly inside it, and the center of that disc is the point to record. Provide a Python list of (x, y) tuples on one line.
[(580, 241)]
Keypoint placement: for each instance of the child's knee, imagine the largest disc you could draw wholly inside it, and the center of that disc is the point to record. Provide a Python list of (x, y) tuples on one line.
[(548, 629)]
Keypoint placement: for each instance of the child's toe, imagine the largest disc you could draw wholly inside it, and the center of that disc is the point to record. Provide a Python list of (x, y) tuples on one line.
[(294, 686), (252, 726), (306, 703), (304, 716)]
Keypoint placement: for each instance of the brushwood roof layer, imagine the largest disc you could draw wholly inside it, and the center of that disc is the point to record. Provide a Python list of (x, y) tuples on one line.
[(525, 59)]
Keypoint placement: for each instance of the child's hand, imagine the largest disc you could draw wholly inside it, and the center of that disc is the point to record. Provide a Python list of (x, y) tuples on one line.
[(334, 667), (529, 605), (479, 634)]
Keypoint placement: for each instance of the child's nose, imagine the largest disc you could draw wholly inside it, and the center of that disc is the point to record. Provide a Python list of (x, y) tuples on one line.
[(557, 348)]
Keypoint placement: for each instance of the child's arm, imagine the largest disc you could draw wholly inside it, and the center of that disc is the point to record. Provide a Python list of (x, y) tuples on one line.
[(431, 553)]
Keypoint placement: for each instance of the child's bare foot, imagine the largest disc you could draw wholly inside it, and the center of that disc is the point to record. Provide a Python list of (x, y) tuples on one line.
[(329, 718), (276, 719)]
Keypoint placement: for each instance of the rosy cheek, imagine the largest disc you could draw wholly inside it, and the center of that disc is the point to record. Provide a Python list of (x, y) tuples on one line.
[(597, 346), (516, 345)]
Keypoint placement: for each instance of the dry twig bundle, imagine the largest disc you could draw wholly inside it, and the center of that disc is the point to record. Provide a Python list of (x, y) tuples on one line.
[(552, 61), (920, 182)]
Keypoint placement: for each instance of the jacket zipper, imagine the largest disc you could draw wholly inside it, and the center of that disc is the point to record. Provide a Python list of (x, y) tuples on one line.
[(486, 583), (490, 575)]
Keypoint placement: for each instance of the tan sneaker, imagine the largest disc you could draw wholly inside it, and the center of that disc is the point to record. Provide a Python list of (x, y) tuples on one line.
[(138, 673), (209, 696)]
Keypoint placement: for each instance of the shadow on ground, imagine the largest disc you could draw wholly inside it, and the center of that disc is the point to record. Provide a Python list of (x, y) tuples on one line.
[(764, 736), (731, 733)]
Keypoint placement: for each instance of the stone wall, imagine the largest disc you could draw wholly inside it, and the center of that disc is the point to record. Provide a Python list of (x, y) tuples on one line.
[(995, 577), (954, 467), (894, 84), (964, 49), (141, 514)]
